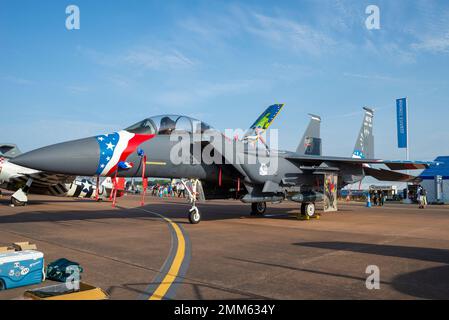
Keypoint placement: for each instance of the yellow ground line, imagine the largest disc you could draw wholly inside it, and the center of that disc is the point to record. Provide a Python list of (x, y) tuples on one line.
[(155, 163), (166, 283)]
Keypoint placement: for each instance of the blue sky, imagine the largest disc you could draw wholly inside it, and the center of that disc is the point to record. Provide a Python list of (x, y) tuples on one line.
[(224, 62)]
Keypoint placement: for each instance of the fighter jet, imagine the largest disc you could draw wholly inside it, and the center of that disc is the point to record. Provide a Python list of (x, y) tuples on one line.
[(217, 167), (24, 180)]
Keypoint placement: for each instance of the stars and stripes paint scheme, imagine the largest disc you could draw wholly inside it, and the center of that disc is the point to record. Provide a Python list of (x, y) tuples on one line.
[(115, 148)]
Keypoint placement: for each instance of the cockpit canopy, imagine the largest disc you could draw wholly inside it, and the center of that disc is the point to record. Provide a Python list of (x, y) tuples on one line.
[(167, 124)]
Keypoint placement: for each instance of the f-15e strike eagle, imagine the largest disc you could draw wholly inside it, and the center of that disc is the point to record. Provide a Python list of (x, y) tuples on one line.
[(24, 181), (219, 167)]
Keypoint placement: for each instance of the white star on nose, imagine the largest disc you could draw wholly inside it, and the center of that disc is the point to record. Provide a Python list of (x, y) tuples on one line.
[(101, 138), (86, 185), (110, 146)]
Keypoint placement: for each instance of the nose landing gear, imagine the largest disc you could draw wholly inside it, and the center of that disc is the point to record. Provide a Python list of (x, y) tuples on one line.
[(194, 193), (194, 215)]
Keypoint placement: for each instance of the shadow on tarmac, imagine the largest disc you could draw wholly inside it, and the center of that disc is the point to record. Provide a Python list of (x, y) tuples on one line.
[(430, 283), (197, 288), (173, 210)]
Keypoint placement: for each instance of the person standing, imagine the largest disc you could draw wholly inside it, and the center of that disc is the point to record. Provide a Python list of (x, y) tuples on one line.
[(424, 198), (182, 191), (383, 198), (419, 197)]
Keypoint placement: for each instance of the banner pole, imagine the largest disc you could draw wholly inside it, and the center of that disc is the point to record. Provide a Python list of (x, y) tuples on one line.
[(407, 150), (408, 131), (144, 186)]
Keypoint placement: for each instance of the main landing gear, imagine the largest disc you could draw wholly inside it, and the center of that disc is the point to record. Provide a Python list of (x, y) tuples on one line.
[(20, 197), (193, 194), (308, 210), (258, 208)]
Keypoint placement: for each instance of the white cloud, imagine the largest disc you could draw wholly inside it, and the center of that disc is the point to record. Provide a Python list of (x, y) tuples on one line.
[(74, 89), (142, 57), (375, 77), (289, 33), (199, 92), (433, 44), (156, 60), (391, 51), (17, 80), (274, 30)]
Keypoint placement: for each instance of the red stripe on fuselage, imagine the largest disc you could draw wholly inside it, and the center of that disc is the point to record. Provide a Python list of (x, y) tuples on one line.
[(133, 143)]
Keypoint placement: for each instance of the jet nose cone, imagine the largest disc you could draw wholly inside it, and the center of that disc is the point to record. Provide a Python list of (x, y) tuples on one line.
[(78, 157)]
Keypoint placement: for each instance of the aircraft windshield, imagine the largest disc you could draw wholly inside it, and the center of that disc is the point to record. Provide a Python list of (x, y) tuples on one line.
[(165, 125)]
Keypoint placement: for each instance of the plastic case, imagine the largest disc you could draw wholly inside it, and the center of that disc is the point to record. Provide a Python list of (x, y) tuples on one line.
[(21, 268)]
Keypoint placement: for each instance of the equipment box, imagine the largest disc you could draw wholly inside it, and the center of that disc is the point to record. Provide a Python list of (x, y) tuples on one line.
[(61, 292), (21, 268)]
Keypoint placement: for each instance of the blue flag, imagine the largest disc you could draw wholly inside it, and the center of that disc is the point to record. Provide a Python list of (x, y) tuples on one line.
[(401, 110)]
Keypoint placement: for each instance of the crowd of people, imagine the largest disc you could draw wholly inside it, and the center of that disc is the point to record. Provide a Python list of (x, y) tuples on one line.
[(421, 196), (378, 197), (169, 190)]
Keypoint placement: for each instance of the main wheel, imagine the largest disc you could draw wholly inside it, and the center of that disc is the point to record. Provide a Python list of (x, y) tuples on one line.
[(194, 215), (258, 209), (308, 209)]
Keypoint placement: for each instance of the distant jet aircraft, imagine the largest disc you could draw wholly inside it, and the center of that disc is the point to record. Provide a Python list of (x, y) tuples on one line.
[(216, 166)]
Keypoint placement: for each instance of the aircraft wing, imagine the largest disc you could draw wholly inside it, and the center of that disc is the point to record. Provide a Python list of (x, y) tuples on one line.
[(408, 165), (43, 182), (393, 165), (387, 175)]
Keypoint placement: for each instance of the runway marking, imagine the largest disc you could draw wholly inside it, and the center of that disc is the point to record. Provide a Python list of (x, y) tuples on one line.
[(176, 265), (170, 277)]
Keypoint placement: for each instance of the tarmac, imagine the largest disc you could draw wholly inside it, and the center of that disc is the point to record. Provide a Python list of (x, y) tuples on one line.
[(152, 252)]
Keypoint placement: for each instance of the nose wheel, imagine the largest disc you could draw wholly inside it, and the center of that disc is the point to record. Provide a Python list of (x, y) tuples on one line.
[(194, 192), (194, 215)]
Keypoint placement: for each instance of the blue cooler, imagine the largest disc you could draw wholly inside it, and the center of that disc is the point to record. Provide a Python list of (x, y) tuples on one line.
[(21, 268)]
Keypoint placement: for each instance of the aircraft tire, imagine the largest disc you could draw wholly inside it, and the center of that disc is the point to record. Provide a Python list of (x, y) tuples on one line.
[(2, 285), (194, 216), (18, 203), (308, 209), (258, 209)]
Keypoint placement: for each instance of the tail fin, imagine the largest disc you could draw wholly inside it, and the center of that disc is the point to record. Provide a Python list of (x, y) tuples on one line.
[(9, 150), (311, 141), (264, 121), (364, 146)]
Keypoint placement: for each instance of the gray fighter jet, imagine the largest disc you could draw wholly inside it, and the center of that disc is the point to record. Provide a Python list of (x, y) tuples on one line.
[(23, 180), (217, 167)]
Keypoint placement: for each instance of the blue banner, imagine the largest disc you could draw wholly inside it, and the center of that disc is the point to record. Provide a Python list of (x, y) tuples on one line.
[(401, 109)]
